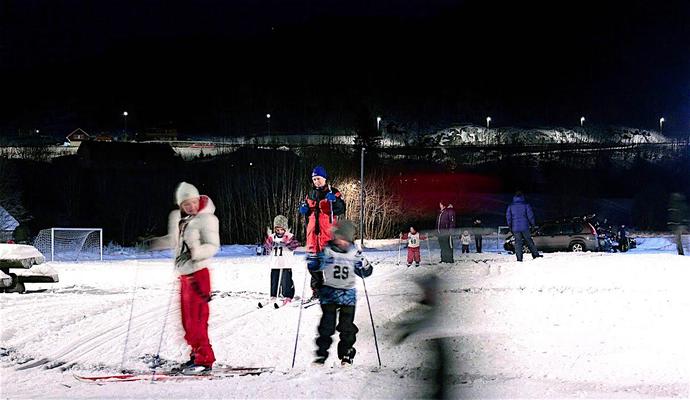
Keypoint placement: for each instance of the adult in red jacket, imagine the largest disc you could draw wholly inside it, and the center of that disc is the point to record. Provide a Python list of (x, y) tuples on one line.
[(322, 207)]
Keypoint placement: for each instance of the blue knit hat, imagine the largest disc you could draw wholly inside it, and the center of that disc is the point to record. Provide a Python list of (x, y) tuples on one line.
[(319, 171)]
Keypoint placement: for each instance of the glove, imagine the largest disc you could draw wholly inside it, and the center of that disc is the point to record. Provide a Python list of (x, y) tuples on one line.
[(183, 258), (303, 209), (313, 262), (330, 197)]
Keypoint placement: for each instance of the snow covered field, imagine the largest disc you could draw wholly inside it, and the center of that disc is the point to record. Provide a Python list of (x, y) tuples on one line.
[(587, 325)]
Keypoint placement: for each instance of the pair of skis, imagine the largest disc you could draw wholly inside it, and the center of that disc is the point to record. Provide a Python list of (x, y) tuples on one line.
[(215, 373), (278, 304)]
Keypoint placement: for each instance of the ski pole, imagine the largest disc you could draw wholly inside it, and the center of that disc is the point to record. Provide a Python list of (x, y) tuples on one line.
[(399, 245), (299, 317), (331, 205), (131, 311), (278, 289), (428, 250), (165, 321), (373, 328)]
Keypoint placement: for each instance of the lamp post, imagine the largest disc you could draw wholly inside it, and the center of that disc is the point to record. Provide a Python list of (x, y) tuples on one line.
[(661, 124), (361, 197), (124, 115), (268, 123), (582, 121), (488, 122), (378, 123)]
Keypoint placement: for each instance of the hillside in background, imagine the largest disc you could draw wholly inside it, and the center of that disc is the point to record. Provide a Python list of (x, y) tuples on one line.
[(477, 135)]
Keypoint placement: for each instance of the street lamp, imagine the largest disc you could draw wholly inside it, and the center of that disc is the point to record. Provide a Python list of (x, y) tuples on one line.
[(661, 124), (488, 122), (125, 114), (378, 123), (582, 121), (268, 122)]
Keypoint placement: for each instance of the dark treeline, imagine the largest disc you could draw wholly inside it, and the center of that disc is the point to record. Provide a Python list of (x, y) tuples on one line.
[(127, 189)]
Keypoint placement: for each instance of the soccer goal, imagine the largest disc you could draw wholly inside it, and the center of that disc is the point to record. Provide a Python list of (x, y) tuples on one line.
[(70, 244)]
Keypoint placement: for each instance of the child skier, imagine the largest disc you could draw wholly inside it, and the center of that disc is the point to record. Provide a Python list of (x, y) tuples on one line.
[(413, 239), (465, 239), (339, 261), (280, 245)]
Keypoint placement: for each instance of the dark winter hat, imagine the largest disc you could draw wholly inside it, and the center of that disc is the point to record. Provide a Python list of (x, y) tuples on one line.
[(319, 171), (345, 229)]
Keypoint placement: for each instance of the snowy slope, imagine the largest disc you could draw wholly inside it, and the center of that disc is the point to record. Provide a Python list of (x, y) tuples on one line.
[(565, 326)]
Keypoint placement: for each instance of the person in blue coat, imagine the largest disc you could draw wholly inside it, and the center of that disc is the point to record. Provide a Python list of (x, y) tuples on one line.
[(520, 219)]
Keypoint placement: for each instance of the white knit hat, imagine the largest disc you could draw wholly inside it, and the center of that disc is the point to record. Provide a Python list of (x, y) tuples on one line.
[(184, 192)]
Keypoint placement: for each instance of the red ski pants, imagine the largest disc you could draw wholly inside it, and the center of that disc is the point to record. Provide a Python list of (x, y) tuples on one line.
[(195, 292), (413, 254)]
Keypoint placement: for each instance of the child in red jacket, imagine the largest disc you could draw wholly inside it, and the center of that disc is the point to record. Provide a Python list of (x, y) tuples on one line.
[(413, 239)]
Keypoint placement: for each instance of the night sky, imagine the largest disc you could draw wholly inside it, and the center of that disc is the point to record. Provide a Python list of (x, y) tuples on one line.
[(217, 67)]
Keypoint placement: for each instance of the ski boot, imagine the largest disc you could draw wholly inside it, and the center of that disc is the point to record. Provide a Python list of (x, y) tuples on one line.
[(195, 369), (319, 360), (348, 357), (178, 369)]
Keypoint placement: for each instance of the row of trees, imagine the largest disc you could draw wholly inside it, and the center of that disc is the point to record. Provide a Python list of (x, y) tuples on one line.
[(130, 201)]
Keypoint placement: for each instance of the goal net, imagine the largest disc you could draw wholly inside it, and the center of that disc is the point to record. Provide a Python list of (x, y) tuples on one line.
[(70, 244)]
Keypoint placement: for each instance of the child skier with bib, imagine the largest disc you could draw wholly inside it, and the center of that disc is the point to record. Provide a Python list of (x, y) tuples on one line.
[(280, 245), (341, 263), (413, 239)]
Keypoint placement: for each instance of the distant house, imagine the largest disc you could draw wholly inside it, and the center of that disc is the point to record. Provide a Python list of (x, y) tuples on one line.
[(104, 138), (7, 225), (77, 136)]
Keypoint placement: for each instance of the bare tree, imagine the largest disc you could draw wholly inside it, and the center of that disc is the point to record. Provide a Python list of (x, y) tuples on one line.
[(382, 206)]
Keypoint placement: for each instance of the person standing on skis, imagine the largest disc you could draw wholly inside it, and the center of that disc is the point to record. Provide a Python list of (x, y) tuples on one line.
[(193, 234), (280, 245), (341, 262), (322, 207)]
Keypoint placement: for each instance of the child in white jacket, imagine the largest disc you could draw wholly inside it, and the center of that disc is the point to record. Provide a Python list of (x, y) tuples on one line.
[(465, 239)]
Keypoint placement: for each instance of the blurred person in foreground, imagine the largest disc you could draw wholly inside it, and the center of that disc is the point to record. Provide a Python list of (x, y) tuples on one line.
[(193, 234), (678, 219), (424, 323)]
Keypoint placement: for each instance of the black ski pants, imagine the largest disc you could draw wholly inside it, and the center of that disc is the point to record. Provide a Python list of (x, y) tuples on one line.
[(287, 286), (478, 242), (327, 327), (446, 243)]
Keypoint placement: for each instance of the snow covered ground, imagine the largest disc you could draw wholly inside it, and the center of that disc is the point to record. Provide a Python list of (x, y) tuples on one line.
[(589, 325)]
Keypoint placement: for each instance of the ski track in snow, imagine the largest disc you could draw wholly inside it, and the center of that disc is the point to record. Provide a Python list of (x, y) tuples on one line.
[(590, 325)]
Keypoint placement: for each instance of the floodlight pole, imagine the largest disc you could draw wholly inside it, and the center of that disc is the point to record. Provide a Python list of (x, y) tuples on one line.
[(361, 199)]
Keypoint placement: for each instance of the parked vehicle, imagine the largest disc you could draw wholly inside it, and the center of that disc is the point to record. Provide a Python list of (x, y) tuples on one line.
[(575, 234)]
